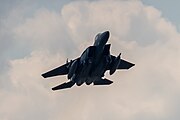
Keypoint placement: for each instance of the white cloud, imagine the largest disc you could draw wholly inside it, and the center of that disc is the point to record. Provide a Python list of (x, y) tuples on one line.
[(46, 30), (148, 91)]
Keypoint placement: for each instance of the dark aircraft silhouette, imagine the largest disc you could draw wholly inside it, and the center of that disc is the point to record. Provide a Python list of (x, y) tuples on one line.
[(91, 65)]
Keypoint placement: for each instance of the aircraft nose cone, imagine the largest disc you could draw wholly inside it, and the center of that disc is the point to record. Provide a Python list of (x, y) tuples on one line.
[(106, 34), (103, 38)]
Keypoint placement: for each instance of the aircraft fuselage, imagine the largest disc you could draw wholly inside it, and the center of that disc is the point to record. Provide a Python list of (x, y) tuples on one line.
[(91, 65)]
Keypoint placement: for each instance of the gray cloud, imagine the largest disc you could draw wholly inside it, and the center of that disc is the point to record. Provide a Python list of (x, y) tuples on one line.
[(43, 40)]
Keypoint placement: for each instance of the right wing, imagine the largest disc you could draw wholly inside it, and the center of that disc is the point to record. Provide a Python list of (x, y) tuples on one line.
[(62, 70), (123, 64)]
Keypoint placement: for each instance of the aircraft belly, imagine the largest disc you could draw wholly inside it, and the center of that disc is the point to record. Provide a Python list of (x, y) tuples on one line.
[(83, 74), (99, 69)]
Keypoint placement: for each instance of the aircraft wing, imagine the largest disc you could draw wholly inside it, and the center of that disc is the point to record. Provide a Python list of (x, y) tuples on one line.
[(62, 70), (123, 64)]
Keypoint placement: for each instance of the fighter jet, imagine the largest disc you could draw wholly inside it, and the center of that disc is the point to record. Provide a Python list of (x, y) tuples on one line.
[(91, 65)]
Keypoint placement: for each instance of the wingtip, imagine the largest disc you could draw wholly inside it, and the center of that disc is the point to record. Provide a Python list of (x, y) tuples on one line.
[(132, 65), (43, 75), (53, 89)]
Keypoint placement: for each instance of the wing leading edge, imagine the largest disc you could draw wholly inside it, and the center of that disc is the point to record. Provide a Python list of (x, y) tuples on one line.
[(62, 70), (123, 64)]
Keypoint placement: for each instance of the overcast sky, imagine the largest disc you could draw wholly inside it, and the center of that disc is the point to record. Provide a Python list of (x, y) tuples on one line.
[(38, 36)]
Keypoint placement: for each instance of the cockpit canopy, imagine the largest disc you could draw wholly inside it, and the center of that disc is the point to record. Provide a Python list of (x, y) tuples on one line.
[(97, 36), (96, 39)]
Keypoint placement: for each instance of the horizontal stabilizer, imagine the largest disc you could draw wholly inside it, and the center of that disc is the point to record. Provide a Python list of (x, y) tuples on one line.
[(64, 85), (103, 82)]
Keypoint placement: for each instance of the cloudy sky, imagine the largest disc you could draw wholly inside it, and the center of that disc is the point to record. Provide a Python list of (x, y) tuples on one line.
[(38, 36)]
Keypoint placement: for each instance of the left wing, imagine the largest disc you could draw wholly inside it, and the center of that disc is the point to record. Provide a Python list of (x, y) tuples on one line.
[(62, 70)]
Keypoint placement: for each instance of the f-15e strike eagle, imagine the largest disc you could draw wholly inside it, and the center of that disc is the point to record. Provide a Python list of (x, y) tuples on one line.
[(91, 65)]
